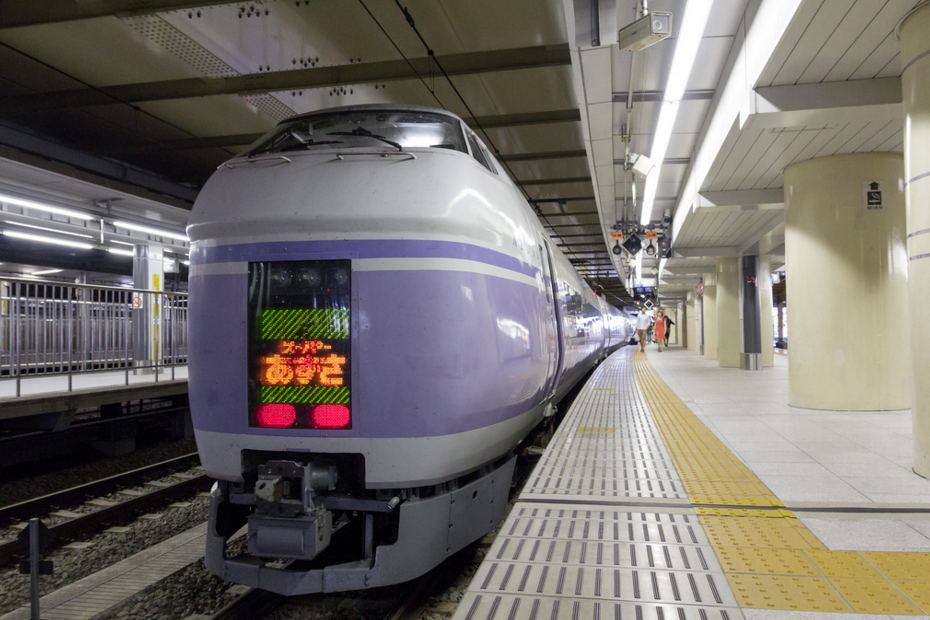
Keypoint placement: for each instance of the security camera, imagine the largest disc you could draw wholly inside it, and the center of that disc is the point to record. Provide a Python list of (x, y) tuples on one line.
[(645, 31)]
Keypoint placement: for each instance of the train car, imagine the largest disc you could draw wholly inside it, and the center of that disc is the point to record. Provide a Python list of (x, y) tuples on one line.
[(377, 320)]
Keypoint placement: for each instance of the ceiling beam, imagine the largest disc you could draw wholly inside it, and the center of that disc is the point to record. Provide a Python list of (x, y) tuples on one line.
[(16, 13), (673, 161), (555, 181), (827, 103), (569, 214), (741, 200), (276, 81), (655, 96), (35, 150), (720, 251), (540, 156)]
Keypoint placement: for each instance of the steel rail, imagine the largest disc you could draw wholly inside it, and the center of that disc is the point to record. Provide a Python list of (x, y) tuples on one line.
[(93, 521)]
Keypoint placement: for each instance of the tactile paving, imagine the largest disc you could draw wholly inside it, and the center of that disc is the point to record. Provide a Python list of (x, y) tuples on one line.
[(841, 564), (873, 596), (766, 561), (771, 559), (916, 590), (603, 528), (895, 565), (786, 593)]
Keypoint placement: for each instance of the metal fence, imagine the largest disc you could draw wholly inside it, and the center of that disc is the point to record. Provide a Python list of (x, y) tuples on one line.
[(52, 328)]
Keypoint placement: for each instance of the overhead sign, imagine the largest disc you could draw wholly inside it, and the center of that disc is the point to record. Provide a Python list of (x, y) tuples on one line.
[(873, 195), (616, 235), (652, 234)]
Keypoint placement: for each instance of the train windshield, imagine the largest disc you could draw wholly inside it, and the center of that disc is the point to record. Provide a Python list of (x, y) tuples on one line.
[(366, 129)]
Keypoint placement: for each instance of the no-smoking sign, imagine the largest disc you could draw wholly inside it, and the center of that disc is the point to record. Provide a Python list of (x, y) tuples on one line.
[(137, 301)]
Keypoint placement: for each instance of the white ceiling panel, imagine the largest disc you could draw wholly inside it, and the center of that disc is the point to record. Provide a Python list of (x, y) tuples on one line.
[(872, 36), (789, 42), (857, 19), (815, 35), (713, 54)]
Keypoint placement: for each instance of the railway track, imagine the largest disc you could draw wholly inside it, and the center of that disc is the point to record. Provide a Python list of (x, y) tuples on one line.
[(132, 503)]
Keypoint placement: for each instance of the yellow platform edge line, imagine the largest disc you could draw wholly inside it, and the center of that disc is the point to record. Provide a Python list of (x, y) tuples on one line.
[(771, 560)]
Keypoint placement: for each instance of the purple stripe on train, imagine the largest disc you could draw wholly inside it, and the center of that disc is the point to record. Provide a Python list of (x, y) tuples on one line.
[(426, 362), (361, 248)]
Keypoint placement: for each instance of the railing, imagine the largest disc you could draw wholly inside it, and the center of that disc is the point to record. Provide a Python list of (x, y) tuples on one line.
[(54, 328)]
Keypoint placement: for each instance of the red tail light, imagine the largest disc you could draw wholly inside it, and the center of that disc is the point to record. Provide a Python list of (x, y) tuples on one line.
[(276, 415), (330, 416)]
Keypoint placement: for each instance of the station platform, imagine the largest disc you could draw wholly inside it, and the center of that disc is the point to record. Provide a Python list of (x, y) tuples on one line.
[(639, 509), (44, 394)]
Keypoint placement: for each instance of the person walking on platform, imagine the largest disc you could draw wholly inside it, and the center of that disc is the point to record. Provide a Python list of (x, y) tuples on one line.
[(643, 321), (660, 328), (668, 327)]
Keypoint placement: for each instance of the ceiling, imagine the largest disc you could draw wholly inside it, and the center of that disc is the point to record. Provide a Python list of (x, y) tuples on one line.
[(116, 107)]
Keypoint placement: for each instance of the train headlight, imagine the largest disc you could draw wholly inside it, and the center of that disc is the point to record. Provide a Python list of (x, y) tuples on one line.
[(281, 276), (309, 277), (341, 276)]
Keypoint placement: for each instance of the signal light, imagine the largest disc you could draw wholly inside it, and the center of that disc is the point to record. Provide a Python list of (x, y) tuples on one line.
[(330, 416), (276, 415)]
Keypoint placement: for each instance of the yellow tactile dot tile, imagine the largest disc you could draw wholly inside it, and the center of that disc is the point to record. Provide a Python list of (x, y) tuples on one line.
[(786, 593), (899, 565), (755, 536), (917, 591), (874, 596), (766, 561), (730, 500), (842, 564), (740, 512)]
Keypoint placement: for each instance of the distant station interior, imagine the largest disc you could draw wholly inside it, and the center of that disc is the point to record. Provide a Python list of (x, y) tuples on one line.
[(466, 309)]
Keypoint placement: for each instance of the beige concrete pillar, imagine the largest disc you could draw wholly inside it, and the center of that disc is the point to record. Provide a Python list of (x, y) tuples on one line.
[(693, 335), (766, 304), (847, 284), (727, 303), (672, 312), (710, 317), (915, 58)]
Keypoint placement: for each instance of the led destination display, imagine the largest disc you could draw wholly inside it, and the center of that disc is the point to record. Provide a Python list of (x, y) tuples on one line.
[(299, 345)]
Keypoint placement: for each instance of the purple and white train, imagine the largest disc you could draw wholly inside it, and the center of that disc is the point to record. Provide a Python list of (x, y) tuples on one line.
[(377, 321)]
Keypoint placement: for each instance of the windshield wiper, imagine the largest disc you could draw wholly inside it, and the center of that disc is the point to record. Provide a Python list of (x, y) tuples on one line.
[(364, 133)]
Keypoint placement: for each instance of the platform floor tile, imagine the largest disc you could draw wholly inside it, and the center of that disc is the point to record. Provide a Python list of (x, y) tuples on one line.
[(771, 560), (603, 528), (96, 593)]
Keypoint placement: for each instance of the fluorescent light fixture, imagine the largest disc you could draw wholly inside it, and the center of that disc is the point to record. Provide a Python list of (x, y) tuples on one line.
[(54, 230), (120, 252), (639, 269), (42, 239), (152, 231), (40, 206), (45, 272), (183, 262), (122, 242), (689, 39)]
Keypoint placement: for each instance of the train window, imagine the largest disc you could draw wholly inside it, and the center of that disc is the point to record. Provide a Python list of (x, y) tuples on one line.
[(478, 152), (365, 129)]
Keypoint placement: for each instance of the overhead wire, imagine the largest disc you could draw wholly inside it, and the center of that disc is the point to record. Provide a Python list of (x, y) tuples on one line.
[(432, 55)]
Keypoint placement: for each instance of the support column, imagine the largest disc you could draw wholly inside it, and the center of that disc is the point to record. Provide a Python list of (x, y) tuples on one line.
[(710, 317), (847, 262), (915, 58), (689, 319), (728, 313), (147, 273), (766, 305), (750, 316)]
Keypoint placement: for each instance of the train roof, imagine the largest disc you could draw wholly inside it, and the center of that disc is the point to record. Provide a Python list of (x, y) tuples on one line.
[(371, 107)]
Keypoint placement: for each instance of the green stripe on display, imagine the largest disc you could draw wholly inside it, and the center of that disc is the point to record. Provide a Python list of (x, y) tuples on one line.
[(281, 324), (305, 395)]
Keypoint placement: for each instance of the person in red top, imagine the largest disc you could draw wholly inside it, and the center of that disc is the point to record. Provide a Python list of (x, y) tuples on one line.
[(660, 327)]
